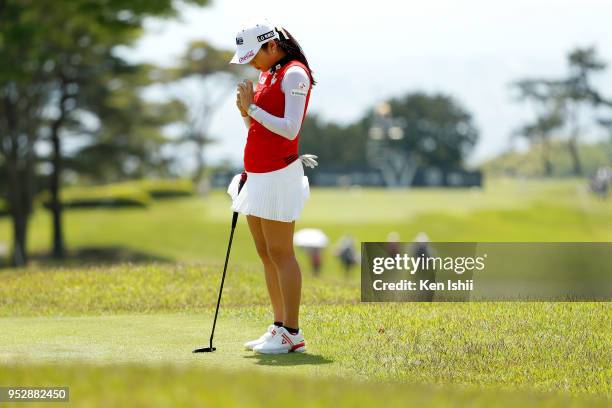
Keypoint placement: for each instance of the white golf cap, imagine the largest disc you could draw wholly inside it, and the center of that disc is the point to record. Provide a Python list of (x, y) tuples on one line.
[(250, 39)]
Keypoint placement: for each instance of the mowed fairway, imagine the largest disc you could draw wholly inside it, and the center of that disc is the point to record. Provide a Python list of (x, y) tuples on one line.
[(115, 331)]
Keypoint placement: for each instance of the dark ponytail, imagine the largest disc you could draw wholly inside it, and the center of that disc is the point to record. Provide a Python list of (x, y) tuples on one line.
[(288, 44)]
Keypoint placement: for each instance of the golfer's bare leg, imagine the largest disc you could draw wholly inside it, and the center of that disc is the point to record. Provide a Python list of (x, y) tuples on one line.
[(279, 239), (272, 281)]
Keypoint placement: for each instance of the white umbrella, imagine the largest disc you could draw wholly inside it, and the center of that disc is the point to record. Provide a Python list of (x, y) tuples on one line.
[(310, 238)]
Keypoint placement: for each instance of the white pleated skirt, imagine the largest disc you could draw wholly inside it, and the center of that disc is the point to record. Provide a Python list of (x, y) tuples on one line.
[(277, 195)]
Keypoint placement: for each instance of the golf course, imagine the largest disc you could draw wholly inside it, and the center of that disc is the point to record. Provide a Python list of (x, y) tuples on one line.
[(118, 320)]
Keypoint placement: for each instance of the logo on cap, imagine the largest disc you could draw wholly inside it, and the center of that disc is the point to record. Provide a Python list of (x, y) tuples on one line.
[(249, 54), (265, 36), (239, 41)]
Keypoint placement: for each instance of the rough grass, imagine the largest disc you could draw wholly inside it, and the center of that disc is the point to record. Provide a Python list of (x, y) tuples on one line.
[(548, 347), (187, 386), (149, 288)]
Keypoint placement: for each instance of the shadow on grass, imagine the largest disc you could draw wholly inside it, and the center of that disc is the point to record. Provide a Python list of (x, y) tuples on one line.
[(289, 359), (96, 256)]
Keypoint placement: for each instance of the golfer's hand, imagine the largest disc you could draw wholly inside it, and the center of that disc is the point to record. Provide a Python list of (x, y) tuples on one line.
[(245, 94), (242, 111)]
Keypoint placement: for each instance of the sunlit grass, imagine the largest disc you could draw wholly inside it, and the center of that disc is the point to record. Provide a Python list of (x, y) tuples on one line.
[(173, 386), (121, 314)]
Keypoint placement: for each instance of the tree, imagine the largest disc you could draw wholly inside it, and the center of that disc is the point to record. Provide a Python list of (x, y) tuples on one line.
[(437, 129), (128, 139), (548, 103), (23, 93), (46, 45), (605, 121), (580, 94), (338, 147), (563, 103), (202, 81)]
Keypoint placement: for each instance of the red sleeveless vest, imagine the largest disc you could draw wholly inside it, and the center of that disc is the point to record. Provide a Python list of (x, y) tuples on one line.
[(265, 150)]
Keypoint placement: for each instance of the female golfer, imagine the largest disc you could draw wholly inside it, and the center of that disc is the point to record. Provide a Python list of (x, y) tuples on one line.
[(276, 187)]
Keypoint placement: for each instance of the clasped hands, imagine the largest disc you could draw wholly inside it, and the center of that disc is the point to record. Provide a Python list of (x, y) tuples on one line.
[(244, 96)]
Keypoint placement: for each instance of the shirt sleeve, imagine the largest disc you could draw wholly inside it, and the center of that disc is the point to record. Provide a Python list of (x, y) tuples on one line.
[(295, 86)]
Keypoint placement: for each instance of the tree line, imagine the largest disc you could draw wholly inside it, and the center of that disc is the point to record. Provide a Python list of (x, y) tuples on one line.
[(63, 83), (564, 108), (434, 129)]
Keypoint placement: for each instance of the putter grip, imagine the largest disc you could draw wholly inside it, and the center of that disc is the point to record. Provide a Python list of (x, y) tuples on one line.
[(243, 178)]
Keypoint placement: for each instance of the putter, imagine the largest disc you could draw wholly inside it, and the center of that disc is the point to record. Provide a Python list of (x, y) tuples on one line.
[(210, 349)]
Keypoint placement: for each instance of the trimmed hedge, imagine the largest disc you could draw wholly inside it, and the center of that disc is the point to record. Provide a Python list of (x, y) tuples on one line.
[(111, 195), (138, 193), (159, 188)]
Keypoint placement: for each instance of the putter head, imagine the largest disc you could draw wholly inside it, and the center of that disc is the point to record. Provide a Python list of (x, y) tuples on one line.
[(205, 350)]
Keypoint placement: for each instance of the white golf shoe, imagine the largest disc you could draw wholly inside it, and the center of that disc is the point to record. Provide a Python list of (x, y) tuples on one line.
[(282, 342), (268, 334)]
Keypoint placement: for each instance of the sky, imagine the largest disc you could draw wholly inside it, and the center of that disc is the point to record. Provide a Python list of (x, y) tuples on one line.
[(362, 53)]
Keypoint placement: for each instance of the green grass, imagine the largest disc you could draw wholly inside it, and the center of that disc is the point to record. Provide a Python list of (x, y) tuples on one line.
[(148, 288), (131, 385), (130, 327), (196, 229), (121, 315)]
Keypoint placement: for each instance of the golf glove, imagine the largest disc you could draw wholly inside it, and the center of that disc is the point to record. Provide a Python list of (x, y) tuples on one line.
[(309, 160)]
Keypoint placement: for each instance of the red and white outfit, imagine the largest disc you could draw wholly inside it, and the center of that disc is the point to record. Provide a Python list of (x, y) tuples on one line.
[(276, 187)]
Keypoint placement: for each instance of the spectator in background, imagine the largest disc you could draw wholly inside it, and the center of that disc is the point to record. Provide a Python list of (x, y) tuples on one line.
[(314, 254), (346, 252), (313, 241), (393, 245), (421, 247), (3, 253), (600, 182)]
